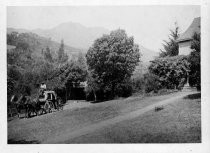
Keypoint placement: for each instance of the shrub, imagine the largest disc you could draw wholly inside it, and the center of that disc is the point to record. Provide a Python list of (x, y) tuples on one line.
[(138, 84), (124, 89), (171, 71), (152, 83)]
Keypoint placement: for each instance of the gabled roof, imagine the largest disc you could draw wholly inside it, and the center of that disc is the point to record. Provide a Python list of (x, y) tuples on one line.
[(193, 28)]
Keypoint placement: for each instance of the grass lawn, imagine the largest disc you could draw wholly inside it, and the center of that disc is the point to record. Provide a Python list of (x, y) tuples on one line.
[(180, 118), (179, 122)]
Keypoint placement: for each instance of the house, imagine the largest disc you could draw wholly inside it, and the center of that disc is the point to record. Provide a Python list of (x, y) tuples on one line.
[(184, 41)]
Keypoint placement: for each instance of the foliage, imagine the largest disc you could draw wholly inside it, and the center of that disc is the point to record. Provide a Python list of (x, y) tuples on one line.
[(21, 56), (171, 71), (151, 83), (194, 60), (112, 60), (26, 69), (47, 55), (171, 47), (12, 38), (13, 76), (37, 44), (94, 87), (138, 84), (19, 62), (70, 73), (62, 56), (124, 89), (19, 81)]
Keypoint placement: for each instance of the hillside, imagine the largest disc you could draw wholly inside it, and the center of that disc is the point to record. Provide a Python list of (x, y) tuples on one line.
[(38, 43), (147, 54), (77, 36)]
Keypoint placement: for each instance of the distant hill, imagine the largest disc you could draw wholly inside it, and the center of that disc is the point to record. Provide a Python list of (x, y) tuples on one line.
[(147, 54), (74, 34), (38, 43), (9, 30), (77, 36)]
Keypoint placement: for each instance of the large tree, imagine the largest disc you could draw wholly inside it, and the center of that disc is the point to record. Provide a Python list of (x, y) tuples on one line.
[(170, 47), (194, 59), (112, 58)]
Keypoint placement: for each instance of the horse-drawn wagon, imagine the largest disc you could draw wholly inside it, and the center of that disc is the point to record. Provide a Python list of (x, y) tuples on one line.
[(49, 101), (46, 102)]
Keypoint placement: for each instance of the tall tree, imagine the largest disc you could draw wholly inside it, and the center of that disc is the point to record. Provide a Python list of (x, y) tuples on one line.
[(48, 55), (171, 47), (113, 59), (62, 56), (194, 60), (81, 61)]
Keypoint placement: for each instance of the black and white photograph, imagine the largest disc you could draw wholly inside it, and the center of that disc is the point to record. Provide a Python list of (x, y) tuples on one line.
[(104, 74)]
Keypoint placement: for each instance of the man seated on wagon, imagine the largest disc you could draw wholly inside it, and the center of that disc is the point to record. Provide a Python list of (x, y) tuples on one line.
[(43, 88)]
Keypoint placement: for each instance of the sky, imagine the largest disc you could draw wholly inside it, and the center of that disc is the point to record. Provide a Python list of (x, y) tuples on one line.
[(149, 25)]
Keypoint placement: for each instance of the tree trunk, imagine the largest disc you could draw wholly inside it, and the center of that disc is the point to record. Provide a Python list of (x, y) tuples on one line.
[(95, 96), (113, 90), (66, 95), (70, 93)]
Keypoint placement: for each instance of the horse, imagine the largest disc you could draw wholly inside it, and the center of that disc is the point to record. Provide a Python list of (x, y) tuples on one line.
[(19, 104), (34, 106), (26, 104)]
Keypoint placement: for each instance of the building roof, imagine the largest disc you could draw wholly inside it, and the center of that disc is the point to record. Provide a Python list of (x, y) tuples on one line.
[(193, 28)]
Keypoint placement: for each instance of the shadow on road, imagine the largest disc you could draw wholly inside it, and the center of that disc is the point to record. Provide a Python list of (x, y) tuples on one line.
[(12, 141), (193, 96)]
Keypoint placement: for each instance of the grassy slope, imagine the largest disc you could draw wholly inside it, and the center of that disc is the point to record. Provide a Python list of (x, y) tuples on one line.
[(35, 130), (177, 122)]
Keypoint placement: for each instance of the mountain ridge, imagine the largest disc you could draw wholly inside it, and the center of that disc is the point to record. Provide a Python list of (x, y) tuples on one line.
[(78, 38), (74, 34)]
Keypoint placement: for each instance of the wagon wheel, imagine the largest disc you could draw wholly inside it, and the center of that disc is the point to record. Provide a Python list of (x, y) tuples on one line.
[(47, 107), (51, 106)]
